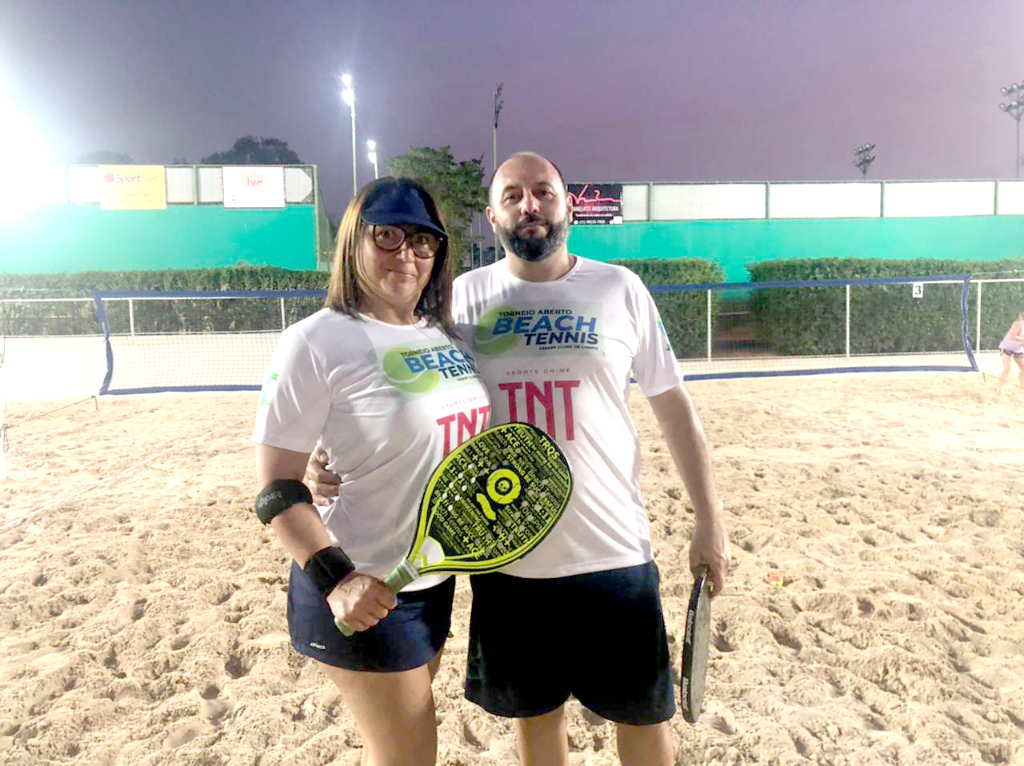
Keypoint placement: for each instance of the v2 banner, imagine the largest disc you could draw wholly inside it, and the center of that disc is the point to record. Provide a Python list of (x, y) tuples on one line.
[(596, 203)]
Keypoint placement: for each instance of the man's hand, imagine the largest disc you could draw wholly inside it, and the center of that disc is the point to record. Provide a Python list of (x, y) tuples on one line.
[(710, 545), (361, 601), (321, 483)]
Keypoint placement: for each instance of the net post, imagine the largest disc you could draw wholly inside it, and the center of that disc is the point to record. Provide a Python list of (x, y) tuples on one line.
[(709, 324), (965, 332), (847, 320), (101, 312), (282, 314), (977, 321), (131, 317)]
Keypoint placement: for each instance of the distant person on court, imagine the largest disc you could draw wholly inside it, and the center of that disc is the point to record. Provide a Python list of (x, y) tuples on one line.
[(1012, 347), (351, 375), (557, 338)]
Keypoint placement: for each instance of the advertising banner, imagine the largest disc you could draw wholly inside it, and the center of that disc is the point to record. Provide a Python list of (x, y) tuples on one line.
[(596, 204), (246, 187), (132, 187)]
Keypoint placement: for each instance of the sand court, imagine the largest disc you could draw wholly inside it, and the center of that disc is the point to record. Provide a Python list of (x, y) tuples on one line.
[(142, 607)]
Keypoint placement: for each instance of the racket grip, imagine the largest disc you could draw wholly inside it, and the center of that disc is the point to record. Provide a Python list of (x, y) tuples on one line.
[(344, 629), (401, 575), (398, 578)]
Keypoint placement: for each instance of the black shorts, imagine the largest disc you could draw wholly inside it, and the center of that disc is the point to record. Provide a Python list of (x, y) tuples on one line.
[(1015, 354), (599, 637), (409, 637)]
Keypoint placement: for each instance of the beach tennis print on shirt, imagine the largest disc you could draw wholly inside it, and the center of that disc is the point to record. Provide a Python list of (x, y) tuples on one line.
[(532, 329), (428, 367)]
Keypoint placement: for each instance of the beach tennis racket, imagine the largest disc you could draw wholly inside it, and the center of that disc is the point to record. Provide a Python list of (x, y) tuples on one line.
[(490, 502), (695, 647)]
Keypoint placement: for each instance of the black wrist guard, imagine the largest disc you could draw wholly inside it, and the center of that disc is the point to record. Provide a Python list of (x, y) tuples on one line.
[(278, 496), (328, 567)]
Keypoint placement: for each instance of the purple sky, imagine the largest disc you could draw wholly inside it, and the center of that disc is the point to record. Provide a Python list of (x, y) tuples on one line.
[(646, 90)]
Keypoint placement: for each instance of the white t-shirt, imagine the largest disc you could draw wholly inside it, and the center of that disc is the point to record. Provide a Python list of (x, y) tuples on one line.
[(559, 355), (389, 402)]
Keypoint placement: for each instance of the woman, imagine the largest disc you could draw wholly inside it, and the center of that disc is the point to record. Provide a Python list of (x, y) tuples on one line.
[(376, 378), (1012, 346)]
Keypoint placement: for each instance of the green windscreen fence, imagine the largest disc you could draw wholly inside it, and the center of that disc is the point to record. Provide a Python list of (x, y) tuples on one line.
[(71, 238), (735, 244)]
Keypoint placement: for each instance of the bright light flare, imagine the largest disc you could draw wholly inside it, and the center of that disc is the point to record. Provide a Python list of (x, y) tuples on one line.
[(22, 185)]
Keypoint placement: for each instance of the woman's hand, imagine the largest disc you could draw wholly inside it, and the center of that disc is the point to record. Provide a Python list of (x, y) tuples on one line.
[(361, 601)]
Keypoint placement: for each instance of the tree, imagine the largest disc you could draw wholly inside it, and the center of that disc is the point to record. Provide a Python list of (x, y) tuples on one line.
[(104, 157), (458, 188), (255, 150)]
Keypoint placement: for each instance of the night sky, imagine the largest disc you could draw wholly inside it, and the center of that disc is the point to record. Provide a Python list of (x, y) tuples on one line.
[(648, 90)]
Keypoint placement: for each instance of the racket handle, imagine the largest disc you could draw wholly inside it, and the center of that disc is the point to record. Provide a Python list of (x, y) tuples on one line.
[(344, 629), (401, 575), (398, 578)]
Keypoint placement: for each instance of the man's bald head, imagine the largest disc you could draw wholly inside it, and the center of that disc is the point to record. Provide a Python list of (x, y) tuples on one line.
[(529, 208), (520, 156)]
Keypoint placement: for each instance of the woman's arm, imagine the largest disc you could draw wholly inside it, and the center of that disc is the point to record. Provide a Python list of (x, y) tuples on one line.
[(300, 528), (358, 600)]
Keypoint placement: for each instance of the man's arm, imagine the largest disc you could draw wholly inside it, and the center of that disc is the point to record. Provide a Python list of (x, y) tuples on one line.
[(685, 437)]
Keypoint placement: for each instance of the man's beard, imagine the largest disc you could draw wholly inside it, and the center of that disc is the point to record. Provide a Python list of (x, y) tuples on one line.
[(535, 249)]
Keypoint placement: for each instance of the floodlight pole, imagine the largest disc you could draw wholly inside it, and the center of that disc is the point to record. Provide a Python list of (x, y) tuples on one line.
[(372, 146), (1016, 110), (498, 103), (349, 97)]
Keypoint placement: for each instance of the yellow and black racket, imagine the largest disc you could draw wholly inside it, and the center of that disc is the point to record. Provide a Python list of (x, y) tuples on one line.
[(695, 646), (489, 503)]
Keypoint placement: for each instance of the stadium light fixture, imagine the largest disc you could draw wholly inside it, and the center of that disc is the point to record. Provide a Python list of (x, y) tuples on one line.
[(372, 146), (348, 95), (863, 158), (1016, 110)]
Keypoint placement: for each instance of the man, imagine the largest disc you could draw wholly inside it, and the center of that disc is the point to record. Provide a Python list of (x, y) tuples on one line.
[(556, 339)]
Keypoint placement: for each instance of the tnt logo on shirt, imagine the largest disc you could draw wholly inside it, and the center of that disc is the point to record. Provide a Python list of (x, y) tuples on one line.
[(419, 371), (524, 330)]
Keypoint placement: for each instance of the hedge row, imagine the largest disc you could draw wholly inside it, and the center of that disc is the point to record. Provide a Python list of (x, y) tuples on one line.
[(220, 315), (685, 314), (883, 318)]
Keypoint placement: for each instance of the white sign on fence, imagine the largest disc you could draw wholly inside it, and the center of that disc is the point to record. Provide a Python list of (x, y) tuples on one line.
[(917, 289), (253, 186)]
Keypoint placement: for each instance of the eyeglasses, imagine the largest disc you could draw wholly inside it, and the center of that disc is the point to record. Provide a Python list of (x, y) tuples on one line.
[(424, 244)]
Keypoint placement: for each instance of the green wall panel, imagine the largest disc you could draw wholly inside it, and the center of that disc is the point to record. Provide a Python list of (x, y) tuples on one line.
[(71, 238), (734, 244)]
